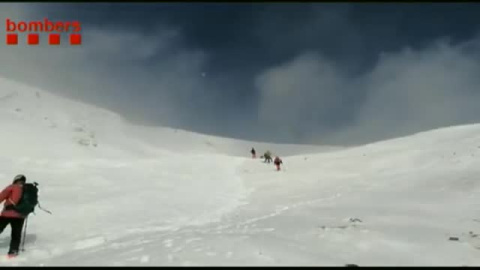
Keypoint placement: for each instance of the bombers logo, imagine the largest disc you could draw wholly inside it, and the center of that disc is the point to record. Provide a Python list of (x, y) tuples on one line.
[(33, 28)]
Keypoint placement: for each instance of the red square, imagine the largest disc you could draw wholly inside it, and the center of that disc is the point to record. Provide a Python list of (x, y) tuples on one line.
[(12, 39), (32, 39), (54, 39), (75, 39)]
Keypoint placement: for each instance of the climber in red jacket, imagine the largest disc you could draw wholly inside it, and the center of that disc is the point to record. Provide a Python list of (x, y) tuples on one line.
[(277, 161), (12, 195)]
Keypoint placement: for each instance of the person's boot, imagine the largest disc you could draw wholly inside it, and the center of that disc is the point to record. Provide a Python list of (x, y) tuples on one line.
[(12, 254)]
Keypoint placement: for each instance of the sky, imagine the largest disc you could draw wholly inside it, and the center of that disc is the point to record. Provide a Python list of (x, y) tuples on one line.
[(310, 73)]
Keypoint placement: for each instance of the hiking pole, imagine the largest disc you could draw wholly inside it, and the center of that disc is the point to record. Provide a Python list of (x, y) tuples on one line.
[(44, 210), (24, 234)]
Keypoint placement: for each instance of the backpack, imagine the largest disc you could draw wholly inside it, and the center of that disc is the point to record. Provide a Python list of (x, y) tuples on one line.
[(28, 201)]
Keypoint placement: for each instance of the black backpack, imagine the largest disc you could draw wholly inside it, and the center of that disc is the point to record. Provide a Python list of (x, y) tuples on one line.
[(28, 201)]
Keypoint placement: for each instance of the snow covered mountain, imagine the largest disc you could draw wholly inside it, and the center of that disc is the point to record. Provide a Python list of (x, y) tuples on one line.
[(130, 195)]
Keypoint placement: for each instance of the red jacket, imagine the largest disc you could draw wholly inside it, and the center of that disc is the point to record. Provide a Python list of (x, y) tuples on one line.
[(277, 161), (11, 195)]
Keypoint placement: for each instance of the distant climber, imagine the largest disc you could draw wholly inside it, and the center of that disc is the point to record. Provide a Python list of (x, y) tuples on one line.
[(12, 195), (277, 163), (268, 157), (254, 153)]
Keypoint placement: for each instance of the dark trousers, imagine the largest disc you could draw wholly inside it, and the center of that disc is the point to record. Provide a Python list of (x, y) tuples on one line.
[(17, 226)]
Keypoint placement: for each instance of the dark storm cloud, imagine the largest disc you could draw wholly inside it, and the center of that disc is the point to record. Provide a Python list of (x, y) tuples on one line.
[(323, 73), (406, 92)]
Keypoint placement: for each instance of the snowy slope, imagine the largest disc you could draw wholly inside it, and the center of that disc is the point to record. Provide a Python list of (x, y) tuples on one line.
[(69, 121), (128, 195)]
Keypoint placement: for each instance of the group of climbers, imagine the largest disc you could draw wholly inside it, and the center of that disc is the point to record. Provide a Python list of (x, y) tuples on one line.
[(267, 156)]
